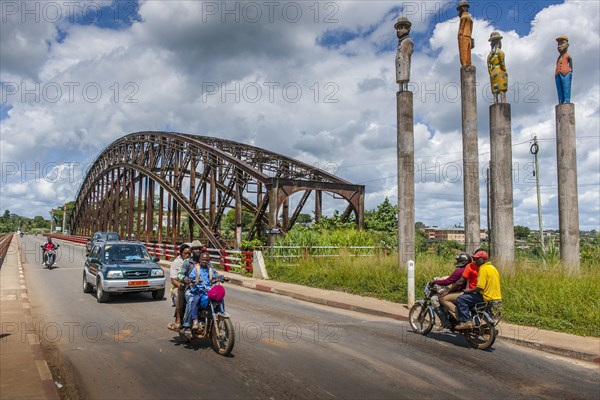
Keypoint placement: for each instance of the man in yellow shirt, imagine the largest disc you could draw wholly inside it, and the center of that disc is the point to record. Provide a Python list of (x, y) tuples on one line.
[(487, 289)]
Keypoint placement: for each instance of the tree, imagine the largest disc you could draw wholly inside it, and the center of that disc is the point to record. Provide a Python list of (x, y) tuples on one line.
[(521, 232), (384, 218), (420, 225), (304, 219)]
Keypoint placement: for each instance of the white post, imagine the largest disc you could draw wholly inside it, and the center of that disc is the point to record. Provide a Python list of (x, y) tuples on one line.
[(411, 283)]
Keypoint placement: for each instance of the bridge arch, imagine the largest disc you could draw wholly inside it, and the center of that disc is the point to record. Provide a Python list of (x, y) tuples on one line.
[(145, 182)]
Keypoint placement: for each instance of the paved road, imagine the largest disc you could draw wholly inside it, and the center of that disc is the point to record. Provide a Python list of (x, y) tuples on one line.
[(284, 349)]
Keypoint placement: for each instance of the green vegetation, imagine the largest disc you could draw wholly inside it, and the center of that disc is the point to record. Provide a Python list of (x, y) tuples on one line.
[(10, 222), (543, 297)]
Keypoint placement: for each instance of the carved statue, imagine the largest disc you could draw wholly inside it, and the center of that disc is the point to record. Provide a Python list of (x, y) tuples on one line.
[(465, 30), (564, 71), (405, 50), (497, 68)]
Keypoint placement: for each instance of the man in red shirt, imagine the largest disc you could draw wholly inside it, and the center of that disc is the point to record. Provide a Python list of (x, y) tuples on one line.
[(448, 297)]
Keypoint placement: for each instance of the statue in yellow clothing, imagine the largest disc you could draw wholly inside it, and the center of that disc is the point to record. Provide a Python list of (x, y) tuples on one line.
[(497, 68)]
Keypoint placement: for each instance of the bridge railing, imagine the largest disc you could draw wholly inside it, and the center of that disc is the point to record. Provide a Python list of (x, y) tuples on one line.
[(4, 245), (228, 260)]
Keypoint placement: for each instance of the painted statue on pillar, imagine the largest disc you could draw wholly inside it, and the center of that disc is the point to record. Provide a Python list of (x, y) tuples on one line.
[(465, 30), (497, 68), (405, 50), (564, 71)]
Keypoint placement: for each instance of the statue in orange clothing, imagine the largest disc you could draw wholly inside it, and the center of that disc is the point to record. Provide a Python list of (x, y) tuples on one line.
[(465, 30), (564, 71)]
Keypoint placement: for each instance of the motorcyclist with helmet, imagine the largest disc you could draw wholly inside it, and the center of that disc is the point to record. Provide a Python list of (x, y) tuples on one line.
[(46, 247), (450, 282)]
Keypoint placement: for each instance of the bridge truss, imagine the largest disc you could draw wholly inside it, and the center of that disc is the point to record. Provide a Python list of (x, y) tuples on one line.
[(182, 178)]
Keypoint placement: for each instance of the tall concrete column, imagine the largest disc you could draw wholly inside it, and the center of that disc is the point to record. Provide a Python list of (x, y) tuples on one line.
[(568, 205), (468, 86), (406, 178), (503, 234)]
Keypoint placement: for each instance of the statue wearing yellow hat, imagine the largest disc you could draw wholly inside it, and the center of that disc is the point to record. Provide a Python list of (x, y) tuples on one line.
[(564, 71), (497, 68)]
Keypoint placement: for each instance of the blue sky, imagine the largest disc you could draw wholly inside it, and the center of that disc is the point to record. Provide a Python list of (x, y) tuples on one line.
[(163, 55)]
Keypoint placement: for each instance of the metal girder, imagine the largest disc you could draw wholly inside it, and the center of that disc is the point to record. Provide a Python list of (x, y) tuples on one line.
[(188, 168)]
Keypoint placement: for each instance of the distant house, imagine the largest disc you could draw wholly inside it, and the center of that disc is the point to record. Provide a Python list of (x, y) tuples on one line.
[(456, 234)]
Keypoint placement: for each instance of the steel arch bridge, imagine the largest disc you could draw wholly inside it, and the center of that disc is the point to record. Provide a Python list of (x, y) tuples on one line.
[(183, 178)]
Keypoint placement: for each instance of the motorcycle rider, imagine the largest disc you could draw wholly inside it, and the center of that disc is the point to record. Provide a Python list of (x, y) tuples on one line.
[(448, 297), (177, 287), (487, 289), (46, 247), (203, 273), (462, 260)]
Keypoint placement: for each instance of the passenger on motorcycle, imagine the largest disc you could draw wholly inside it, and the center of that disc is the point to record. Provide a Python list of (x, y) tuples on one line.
[(487, 289), (461, 261), (177, 294), (470, 276), (46, 247), (196, 274)]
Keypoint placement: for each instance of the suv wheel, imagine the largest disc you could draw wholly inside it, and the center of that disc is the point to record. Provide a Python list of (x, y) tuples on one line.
[(87, 288), (158, 294), (101, 295)]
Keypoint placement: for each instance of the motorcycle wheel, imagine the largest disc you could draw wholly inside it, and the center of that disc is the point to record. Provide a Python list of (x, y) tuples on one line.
[(482, 337), (223, 343), (420, 319)]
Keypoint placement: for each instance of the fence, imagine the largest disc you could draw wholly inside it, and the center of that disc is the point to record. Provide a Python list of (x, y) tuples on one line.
[(229, 260), (296, 252), (4, 245)]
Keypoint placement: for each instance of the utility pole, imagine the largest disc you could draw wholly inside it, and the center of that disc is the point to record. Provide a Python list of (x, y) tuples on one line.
[(64, 218), (51, 221), (534, 150)]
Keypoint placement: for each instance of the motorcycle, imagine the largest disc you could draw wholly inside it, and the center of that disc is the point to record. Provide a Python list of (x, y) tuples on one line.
[(213, 322), (50, 257), (484, 316)]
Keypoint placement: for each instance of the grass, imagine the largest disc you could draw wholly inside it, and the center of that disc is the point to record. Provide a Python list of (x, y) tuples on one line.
[(537, 295)]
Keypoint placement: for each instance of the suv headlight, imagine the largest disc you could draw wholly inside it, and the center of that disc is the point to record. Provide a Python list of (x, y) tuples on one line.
[(157, 272), (114, 274)]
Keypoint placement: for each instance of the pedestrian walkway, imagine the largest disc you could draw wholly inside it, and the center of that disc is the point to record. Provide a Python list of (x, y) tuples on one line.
[(24, 374), (579, 347)]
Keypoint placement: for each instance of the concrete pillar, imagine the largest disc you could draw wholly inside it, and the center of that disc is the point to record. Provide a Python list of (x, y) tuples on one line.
[(406, 179), (468, 86), (568, 206), (503, 234)]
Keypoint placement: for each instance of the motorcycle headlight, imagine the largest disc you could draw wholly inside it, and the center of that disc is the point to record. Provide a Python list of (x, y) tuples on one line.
[(114, 274), (157, 272)]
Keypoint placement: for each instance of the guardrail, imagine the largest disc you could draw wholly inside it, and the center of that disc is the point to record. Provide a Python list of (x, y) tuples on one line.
[(4, 245), (229, 260), (293, 252)]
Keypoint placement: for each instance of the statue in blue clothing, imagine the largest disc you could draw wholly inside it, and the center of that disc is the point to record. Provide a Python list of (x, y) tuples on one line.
[(564, 71)]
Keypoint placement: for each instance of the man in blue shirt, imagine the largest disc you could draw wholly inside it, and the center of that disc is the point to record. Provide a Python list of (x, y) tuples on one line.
[(196, 273)]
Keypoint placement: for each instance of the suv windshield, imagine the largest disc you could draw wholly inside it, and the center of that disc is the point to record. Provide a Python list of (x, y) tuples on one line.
[(111, 237), (125, 252)]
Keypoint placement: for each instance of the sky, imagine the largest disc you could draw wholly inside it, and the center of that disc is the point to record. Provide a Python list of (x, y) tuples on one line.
[(314, 81)]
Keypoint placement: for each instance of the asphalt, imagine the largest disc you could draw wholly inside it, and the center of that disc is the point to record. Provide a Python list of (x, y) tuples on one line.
[(24, 374)]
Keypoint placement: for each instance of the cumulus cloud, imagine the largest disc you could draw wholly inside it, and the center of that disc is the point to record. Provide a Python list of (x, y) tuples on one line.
[(317, 85)]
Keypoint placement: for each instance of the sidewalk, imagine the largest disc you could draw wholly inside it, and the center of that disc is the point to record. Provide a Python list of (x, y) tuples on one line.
[(579, 347), (24, 374)]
